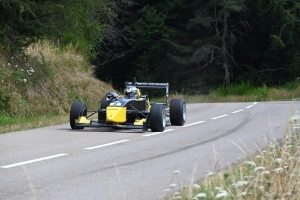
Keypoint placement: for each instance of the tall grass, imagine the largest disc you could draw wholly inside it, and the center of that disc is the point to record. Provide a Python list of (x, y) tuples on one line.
[(45, 82), (274, 173)]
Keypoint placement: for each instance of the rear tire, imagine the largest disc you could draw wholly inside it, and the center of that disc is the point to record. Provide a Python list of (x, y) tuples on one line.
[(157, 118), (177, 112), (78, 109)]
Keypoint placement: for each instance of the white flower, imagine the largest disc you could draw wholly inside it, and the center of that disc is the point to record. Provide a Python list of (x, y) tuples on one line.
[(265, 172), (22, 70), (258, 156), (176, 172), (200, 195), (259, 168), (271, 145), (8, 64), (209, 174), (196, 186), (16, 66), (173, 185), (250, 163), (222, 194), (167, 190), (24, 80), (278, 170), (278, 160), (242, 183), (242, 194)]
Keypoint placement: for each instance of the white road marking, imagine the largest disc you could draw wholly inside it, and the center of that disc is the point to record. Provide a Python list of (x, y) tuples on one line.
[(249, 106), (156, 133), (220, 116), (193, 123), (237, 111), (108, 144), (32, 161)]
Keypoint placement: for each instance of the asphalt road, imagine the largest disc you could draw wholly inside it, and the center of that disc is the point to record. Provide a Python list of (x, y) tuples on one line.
[(102, 163)]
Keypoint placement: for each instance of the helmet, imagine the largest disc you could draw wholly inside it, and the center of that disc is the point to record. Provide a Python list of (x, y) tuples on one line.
[(131, 92), (111, 95)]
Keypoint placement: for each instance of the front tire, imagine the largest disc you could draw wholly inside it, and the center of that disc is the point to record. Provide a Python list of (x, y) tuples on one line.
[(177, 112), (104, 104), (157, 118), (78, 109)]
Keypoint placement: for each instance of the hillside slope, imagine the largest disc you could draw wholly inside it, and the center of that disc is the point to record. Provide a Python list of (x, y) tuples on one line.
[(46, 81)]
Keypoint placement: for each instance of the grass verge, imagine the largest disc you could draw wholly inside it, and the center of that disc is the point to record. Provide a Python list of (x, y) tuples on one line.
[(274, 173)]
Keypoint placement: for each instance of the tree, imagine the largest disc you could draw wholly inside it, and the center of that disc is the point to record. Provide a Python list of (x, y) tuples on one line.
[(214, 33), (25, 21)]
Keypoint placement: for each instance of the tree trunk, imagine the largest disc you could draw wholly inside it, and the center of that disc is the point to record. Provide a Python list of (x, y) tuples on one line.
[(224, 49)]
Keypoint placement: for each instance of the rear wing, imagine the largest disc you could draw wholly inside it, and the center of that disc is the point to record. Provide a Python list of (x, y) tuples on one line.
[(151, 86)]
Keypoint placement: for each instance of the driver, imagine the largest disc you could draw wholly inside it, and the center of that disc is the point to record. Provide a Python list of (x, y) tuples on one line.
[(131, 92)]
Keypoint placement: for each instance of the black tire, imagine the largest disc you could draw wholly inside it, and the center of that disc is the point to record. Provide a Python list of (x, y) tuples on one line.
[(104, 104), (78, 109), (177, 112), (157, 118)]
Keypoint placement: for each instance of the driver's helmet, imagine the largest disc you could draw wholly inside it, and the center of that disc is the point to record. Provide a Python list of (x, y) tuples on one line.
[(131, 92)]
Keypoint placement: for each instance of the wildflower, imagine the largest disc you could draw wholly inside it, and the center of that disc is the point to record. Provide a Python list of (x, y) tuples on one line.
[(24, 80), (209, 174), (258, 156), (265, 172), (167, 190), (22, 70), (242, 183), (278, 170), (294, 117), (16, 66), (221, 194), (200, 195), (8, 64), (259, 168), (271, 145), (173, 185), (176, 172), (278, 160), (196, 186), (242, 194), (250, 163), (178, 197)]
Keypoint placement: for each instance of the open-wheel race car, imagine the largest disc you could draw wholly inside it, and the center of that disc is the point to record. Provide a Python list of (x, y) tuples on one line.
[(132, 110)]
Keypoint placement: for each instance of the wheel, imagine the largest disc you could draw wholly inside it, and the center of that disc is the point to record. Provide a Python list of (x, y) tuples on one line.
[(78, 109), (177, 112), (157, 118), (104, 104)]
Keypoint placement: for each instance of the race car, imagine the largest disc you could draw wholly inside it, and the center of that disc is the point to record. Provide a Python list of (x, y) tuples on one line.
[(132, 110)]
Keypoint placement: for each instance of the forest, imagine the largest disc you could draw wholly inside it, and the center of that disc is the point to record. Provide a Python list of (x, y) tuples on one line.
[(195, 45)]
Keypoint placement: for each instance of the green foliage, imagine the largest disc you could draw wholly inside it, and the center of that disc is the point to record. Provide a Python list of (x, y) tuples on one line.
[(4, 101), (84, 20), (245, 88)]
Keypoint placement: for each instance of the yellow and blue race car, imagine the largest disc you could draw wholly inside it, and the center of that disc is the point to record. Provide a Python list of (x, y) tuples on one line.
[(132, 110)]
